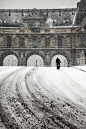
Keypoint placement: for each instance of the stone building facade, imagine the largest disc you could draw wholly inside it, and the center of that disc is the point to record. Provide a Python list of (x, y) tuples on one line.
[(47, 33)]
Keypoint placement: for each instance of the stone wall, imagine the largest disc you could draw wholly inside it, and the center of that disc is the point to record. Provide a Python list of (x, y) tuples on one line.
[(47, 41)]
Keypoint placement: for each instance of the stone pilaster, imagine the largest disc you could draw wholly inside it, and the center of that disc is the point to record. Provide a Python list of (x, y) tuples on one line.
[(22, 41), (30, 41), (73, 41), (72, 57), (47, 41), (47, 59), (52, 41), (39, 41), (56, 41), (22, 58)]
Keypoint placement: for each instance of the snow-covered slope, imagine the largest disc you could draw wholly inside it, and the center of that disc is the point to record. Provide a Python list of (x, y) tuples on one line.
[(43, 98)]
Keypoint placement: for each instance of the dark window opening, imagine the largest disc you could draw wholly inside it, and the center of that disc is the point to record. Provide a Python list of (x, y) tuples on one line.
[(9, 41), (84, 27), (47, 42), (84, 40), (22, 42), (60, 41), (34, 29), (34, 40)]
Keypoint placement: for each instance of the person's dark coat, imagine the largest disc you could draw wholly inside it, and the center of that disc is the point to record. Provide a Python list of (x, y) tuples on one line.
[(58, 61)]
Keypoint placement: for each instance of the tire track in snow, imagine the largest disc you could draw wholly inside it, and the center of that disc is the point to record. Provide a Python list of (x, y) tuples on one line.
[(73, 85), (4, 106), (79, 106), (7, 74), (30, 111), (56, 119), (79, 69), (72, 107), (24, 103), (40, 108), (29, 102), (19, 107)]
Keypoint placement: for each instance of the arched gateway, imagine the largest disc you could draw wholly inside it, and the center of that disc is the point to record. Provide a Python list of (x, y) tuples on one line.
[(62, 59), (10, 60), (35, 60)]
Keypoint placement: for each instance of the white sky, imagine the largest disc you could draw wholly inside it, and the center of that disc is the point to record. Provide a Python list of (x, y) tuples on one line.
[(40, 4)]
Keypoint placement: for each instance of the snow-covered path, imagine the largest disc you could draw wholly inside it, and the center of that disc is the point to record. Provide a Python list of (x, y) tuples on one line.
[(43, 98)]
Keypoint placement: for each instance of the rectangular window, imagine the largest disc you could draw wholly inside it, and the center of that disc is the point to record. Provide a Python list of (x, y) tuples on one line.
[(9, 41), (84, 40), (34, 40), (34, 29), (47, 41), (60, 41)]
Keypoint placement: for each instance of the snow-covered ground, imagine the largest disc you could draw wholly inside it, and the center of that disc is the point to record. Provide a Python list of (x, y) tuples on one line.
[(43, 98)]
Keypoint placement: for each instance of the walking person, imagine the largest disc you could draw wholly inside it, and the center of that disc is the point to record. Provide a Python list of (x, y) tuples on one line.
[(58, 63)]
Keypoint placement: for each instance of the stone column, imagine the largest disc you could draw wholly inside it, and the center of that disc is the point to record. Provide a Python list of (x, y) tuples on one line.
[(47, 59), (56, 41), (73, 51), (47, 41), (30, 41), (73, 57), (42, 41), (22, 41), (5, 40), (52, 41), (73, 41), (39, 41), (22, 58)]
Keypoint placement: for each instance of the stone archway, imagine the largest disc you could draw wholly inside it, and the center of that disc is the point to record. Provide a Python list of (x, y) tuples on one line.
[(62, 59), (35, 60), (10, 60), (6, 56)]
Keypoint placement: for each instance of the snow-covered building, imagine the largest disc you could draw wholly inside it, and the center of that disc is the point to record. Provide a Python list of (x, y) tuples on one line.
[(38, 36)]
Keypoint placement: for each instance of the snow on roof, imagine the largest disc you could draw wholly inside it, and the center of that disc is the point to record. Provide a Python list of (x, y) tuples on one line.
[(60, 17)]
